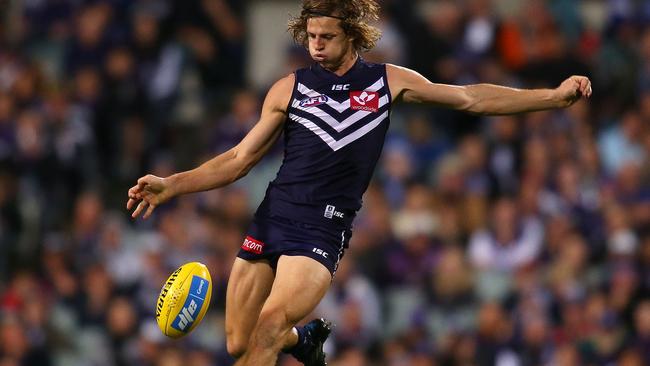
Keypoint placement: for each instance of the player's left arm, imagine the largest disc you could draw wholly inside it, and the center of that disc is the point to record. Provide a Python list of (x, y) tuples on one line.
[(484, 99)]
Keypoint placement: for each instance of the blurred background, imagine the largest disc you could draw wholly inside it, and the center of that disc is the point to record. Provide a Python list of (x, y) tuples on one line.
[(519, 240)]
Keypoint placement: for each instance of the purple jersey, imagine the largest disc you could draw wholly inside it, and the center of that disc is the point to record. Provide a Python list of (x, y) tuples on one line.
[(333, 137)]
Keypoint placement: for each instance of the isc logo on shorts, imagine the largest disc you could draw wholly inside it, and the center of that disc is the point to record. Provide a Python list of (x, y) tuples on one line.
[(320, 252), (252, 245)]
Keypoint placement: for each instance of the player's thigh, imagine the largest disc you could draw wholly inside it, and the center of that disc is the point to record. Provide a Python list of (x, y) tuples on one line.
[(248, 287), (300, 284)]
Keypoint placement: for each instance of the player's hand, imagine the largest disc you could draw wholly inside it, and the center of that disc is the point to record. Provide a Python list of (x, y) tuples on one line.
[(573, 88), (150, 192)]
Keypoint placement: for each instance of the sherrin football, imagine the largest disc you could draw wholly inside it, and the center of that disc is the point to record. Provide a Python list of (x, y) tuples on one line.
[(184, 299)]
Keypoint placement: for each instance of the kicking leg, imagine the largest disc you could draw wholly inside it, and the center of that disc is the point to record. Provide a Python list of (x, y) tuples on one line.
[(300, 283), (248, 287)]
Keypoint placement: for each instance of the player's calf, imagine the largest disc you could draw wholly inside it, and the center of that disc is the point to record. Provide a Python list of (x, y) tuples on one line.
[(272, 333), (272, 330)]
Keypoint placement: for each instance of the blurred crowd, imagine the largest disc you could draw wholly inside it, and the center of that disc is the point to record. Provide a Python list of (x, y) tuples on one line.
[(515, 240)]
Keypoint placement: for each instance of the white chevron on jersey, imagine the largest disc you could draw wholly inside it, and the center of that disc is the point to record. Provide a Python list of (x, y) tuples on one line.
[(333, 122), (340, 107), (329, 140)]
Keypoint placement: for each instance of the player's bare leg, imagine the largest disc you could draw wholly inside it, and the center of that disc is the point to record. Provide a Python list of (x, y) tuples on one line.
[(300, 284), (248, 287)]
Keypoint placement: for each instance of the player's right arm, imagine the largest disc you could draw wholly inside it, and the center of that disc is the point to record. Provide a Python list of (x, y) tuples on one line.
[(224, 168)]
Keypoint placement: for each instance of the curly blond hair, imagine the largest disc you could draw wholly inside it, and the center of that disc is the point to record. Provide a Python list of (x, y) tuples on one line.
[(353, 14)]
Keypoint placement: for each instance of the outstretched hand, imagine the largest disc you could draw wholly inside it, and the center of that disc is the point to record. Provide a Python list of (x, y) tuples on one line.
[(150, 191), (573, 88)]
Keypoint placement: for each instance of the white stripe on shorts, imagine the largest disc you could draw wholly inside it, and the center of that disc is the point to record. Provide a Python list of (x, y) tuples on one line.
[(338, 258)]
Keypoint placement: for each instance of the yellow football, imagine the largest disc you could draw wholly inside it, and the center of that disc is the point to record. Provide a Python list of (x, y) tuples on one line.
[(184, 299)]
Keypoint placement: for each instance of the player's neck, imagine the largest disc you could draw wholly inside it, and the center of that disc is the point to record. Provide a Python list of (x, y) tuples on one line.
[(346, 64)]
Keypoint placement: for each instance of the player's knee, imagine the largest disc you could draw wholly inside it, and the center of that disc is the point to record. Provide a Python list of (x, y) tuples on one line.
[(236, 346)]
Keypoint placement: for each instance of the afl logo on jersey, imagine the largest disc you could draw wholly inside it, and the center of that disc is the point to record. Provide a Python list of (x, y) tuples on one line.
[(364, 101), (313, 101)]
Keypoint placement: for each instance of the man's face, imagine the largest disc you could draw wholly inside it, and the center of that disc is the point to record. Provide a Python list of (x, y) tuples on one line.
[(328, 43)]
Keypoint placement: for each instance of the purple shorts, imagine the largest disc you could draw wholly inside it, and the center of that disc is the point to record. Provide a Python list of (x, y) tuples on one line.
[(269, 238)]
